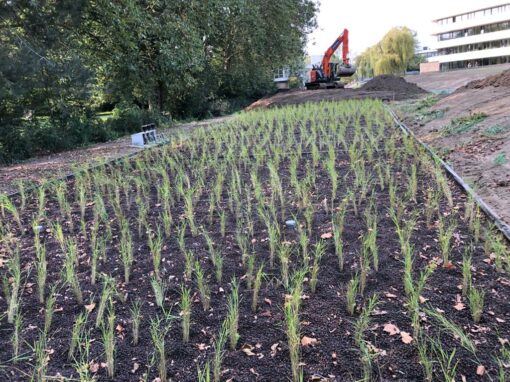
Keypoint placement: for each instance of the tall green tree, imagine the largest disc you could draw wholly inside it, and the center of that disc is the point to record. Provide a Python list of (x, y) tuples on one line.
[(392, 55), (62, 60)]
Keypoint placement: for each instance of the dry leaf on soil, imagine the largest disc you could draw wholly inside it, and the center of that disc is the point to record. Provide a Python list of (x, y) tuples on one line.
[(309, 341), (89, 308), (327, 235), (248, 350), (406, 337), (480, 370), (391, 329)]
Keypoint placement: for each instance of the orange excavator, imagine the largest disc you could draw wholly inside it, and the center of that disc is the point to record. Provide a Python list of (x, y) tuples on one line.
[(328, 74)]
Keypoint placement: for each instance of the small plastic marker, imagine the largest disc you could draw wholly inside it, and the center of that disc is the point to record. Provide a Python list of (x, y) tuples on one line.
[(290, 223)]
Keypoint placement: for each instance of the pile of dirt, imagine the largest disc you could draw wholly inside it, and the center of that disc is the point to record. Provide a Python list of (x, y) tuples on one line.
[(497, 80), (395, 84)]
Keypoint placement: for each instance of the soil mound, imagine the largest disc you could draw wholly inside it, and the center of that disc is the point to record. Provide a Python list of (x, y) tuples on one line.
[(393, 84), (497, 80)]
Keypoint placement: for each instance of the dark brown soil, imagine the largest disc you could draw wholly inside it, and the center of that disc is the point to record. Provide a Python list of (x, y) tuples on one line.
[(323, 313), (393, 84), (497, 80), (298, 96)]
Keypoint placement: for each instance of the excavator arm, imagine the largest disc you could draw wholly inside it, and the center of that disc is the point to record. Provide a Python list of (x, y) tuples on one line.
[(343, 40)]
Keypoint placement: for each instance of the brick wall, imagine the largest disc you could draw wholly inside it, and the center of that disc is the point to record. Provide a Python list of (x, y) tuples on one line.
[(427, 67)]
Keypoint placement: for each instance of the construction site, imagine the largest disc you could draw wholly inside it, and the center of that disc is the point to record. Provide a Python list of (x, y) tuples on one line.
[(347, 229)]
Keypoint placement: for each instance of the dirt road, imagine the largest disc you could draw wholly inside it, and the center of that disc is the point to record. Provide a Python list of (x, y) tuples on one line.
[(38, 170)]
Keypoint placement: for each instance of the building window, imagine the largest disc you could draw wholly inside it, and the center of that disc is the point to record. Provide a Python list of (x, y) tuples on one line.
[(475, 31)]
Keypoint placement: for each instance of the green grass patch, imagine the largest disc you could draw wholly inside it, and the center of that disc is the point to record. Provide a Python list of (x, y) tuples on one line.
[(462, 125), (494, 131), (500, 159), (429, 115), (427, 102)]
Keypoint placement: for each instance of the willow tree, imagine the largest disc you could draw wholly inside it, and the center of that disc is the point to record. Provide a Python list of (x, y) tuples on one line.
[(392, 55)]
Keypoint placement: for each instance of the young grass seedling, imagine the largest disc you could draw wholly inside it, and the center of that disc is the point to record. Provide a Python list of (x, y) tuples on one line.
[(159, 287), (16, 339), (364, 320), (41, 266), (352, 291), (159, 330), (71, 277), (185, 312), (203, 287), (445, 237), (14, 268), (136, 317), (293, 331), (108, 337), (319, 251), (256, 288), (155, 243), (466, 274), (233, 314), (76, 334), (50, 309), (106, 295), (476, 299), (219, 351)]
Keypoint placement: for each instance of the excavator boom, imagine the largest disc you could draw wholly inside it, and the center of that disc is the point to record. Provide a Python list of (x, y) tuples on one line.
[(343, 40)]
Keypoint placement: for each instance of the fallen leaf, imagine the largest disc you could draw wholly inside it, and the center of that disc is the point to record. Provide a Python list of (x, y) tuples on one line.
[(274, 349), (406, 337), (459, 306), (202, 347), (327, 235), (89, 308), (309, 341), (93, 367), (268, 301), (248, 350), (423, 300), (391, 329), (120, 330), (252, 370), (136, 366), (480, 370), (391, 295)]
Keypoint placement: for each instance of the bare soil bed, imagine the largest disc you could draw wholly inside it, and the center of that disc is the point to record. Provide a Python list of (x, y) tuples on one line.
[(380, 173)]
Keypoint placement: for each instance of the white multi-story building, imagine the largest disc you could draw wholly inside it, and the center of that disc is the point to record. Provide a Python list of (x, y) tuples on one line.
[(472, 38)]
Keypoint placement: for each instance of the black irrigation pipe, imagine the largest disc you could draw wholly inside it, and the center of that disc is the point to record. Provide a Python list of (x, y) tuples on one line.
[(500, 224)]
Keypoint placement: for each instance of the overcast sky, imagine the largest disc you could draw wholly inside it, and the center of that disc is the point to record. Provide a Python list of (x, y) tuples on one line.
[(369, 20)]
